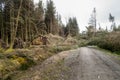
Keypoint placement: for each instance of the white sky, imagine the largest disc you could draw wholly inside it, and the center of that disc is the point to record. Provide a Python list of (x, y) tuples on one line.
[(82, 9)]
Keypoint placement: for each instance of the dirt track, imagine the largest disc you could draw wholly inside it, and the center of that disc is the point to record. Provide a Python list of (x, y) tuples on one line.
[(91, 64), (80, 64)]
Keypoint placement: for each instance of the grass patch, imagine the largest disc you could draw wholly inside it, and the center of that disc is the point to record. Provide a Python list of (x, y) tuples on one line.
[(29, 63), (9, 50), (57, 49), (55, 71), (2, 50), (2, 56), (117, 52), (108, 52), (23, 59), (82, 43)]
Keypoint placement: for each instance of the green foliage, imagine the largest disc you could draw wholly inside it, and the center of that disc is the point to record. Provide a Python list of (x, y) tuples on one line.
[(9, 50), (83, 43), (57, 49), (2, 50), (27, 64), (23, 20), (24, 61), (2, 56), (90, 31), (50, 18), (72, 28), (110, 42), (39, 18), (111, 18)]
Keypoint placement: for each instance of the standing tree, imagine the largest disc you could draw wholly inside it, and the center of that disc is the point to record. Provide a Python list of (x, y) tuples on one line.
[(92, 21), (112, 20), (39, 18), (1, 20), (92, 24), (22, 21), (72, 28), (16, 24), (19, 20), (50, 18), (61, 26)]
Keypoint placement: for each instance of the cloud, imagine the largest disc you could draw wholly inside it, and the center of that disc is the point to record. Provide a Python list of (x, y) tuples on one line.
[(82, 9)]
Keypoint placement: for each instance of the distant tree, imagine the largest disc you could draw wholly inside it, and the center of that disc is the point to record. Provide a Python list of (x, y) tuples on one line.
[(112, 20), (16, 24), (106, 29), (119, 28), (72, 27), (114, 27), (62, 30), (1, 20), (39, 18), (18, 20), (93, 21), (21, 19), (50, 18), (90, 31)]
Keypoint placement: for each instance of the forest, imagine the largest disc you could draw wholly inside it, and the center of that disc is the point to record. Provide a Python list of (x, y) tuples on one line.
[(104, 38), (24, 21), (31, 33)]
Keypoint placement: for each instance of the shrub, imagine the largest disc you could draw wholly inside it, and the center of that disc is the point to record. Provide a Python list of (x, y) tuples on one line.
[(82, 43), (2, 50), (27, 65), (110, 42)]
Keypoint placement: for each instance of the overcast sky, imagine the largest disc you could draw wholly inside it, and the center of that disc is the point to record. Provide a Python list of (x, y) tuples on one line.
[(82, 9)]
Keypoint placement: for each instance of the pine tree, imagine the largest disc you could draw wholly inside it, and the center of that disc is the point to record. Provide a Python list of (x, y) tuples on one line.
[(72, 27), (21, 19), (18, 18), (50, 18), (112, 20), (1, 20), (39, 18)]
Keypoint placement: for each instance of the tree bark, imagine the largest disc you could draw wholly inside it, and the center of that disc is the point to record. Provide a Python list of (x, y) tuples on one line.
[(16, 25)]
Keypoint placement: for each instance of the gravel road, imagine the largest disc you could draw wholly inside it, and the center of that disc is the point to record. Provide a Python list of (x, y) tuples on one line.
[(81, 64), (90, 64)]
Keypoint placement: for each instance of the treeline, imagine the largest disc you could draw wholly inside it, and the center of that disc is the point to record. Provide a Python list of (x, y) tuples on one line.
[(24, 20), (108, 40), (103, 38)]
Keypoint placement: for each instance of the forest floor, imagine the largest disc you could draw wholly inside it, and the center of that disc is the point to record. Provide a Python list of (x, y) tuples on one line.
[(83, 63), (61, 59), (20, 61)]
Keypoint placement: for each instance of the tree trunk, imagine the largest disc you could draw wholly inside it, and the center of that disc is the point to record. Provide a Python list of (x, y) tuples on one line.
[(16, 25)]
